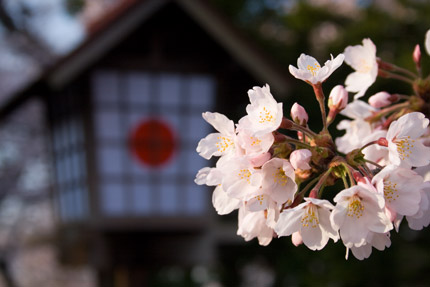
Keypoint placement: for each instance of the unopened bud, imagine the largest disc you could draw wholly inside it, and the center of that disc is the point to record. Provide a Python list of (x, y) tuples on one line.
[(260, 159), (380, 100), (296, 238), (300, 159), (338, 98), (382, 142), (416, 56), (299, 114)]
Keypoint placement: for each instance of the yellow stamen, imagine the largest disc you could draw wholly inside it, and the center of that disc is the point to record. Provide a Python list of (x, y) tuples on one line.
[(313, 69), (245, 174), (280, 177), (224, 143), (390, 191), (266, 116), (355, 208), (404, 146), (310, 217)]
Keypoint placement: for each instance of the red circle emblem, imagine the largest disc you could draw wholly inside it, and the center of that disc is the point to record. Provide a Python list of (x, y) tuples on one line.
[(153, 142)]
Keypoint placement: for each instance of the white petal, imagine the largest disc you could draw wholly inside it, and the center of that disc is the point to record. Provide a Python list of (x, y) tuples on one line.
[(362, 252), (208, 146), (223, 203), (289, 221), (313, 237), (220, 122)]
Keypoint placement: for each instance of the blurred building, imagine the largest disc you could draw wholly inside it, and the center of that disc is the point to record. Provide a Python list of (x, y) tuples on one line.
[(124, 111)]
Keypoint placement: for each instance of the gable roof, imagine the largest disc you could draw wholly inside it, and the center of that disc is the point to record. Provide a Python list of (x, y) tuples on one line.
[(119, 23)]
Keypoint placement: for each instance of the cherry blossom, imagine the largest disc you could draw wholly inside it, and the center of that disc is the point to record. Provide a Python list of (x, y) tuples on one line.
[(359, 211), (362, 58), (253, 224), (223, 203), (356, 130), (401, 189), (376, 240), (252, 145), (221, 143), (264, 113), (310, 71), (278, 180), (422, 218), (404, 145), (239, 179), (312, 220)]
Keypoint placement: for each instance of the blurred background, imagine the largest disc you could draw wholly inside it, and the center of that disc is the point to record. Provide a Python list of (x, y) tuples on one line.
[(100, 115)]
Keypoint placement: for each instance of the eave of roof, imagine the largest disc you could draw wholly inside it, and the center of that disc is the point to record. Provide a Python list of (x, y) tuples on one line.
[(113, 28)]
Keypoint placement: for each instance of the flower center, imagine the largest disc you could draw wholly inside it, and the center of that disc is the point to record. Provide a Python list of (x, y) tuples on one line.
[(266, 116), (390, 191), (355, 208), (260, 199), (224, 143), (280, 177), (245, 174), (404, 146), (364, 67), (255, 141), (313, 69), (310, 217)]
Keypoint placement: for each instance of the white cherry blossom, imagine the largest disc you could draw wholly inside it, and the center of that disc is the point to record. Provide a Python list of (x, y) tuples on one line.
[(254, 224), (404, 146), (356, 130), (252, 145), (310, 71), (264, 113), (205, 176), (223, 203), (312, 220), (362, 58), (422, 218), (278, 180), (359, 211), (239, 179), (278, 186), (376, 240), (401, 188), (221, 143)]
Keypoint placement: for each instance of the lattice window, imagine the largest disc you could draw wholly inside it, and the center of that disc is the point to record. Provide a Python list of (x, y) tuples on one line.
[(147, 127)]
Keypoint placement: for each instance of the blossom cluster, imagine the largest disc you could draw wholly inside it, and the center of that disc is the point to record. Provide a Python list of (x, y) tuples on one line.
[(282, 185)]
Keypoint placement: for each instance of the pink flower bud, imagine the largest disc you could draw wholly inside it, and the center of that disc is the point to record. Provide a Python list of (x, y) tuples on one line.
[(416, 55), (296, 238), (300, 158), (299, 115), (260, 159), (338, 98), (380, 100)]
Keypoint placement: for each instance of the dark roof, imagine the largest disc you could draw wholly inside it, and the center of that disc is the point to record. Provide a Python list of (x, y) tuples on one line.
[(120, 22)]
